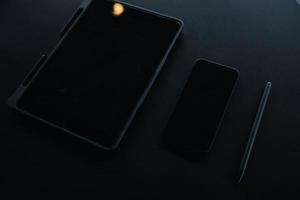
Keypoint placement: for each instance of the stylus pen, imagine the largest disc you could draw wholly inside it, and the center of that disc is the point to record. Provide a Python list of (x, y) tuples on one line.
[(254, 130)]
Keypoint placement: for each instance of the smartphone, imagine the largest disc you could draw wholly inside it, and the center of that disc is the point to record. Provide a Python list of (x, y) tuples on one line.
[(197, 117)]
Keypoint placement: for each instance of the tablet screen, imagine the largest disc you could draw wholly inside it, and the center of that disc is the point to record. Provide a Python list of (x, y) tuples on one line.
[(95, 79)]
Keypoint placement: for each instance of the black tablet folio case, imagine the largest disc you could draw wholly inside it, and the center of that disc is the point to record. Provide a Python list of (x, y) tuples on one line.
[(94, 81)]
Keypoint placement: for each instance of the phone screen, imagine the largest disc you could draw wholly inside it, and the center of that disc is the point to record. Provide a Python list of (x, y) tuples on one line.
[(94, 81), (200, 109)]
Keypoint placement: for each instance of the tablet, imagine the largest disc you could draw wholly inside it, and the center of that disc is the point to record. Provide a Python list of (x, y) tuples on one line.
[(97, 77)]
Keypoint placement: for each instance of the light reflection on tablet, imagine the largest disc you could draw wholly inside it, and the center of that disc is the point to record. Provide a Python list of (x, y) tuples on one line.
[(118, 9)]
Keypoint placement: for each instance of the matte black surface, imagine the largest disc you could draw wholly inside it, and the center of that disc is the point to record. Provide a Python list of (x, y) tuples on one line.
[(199, 112), (259, 37), (97, 76)]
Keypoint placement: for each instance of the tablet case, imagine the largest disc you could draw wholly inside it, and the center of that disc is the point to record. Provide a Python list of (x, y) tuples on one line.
[(42, 62)]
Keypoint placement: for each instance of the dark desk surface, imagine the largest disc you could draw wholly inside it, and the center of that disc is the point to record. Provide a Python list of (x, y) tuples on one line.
[(259, 37)]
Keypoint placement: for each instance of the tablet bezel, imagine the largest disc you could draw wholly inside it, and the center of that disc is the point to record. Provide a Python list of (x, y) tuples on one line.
[(13, 100)]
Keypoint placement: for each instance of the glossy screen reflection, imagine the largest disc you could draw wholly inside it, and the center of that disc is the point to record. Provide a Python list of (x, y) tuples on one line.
[(93, 82), (117, 9)]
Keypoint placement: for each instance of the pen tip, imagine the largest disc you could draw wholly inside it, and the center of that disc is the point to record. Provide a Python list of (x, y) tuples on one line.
[(240, 177)]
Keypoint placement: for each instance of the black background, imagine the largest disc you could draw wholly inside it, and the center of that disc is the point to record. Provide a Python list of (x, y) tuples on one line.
[(261, 38)]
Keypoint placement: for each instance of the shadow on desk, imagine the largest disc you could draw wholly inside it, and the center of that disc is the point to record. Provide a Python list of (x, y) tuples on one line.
[(63, 141)]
